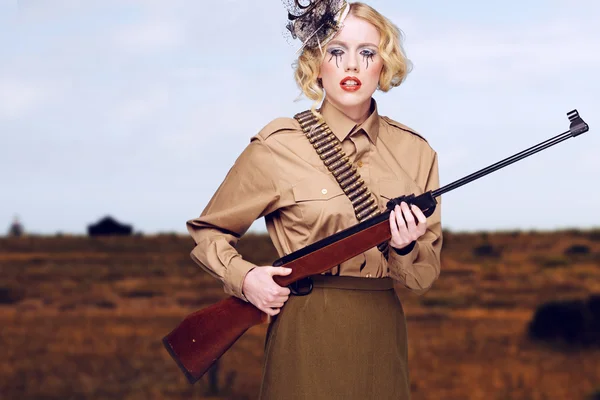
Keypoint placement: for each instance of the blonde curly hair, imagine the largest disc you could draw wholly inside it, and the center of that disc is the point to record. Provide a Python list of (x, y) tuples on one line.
[(396, 65)]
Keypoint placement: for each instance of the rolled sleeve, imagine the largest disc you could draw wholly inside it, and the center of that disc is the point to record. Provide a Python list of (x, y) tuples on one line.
[(235, 275)]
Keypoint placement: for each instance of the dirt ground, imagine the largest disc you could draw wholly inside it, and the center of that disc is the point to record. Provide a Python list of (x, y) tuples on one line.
[(83, 318)]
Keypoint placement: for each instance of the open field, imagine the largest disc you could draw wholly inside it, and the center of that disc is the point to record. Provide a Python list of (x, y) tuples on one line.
[(83, 318)]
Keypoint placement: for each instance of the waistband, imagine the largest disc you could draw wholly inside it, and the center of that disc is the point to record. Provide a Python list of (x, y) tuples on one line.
[(352, 282)]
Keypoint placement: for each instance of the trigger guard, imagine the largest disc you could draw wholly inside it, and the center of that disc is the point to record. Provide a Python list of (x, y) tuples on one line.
[(301, 287), (427, 212)]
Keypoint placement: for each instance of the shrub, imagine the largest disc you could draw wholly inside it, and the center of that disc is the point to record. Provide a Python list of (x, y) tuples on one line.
[(577, 250), (594, 395), (11, 295), (573, 232), (572, 322), (140, 294), (595, 235), (105, 304), (487, 250)]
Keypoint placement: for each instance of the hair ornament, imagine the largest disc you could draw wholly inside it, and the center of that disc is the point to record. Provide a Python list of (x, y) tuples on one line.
[(315, 22)]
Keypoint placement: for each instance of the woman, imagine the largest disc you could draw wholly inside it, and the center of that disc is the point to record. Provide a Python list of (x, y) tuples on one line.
[(347, 338)]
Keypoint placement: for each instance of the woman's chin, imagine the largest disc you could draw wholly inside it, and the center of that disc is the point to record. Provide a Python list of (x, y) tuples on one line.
[(349, 99)]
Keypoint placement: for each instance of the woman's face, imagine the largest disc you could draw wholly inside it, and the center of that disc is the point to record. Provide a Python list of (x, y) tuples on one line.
[(352, 64)]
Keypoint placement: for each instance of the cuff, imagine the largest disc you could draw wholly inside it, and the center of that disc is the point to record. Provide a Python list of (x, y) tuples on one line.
[(235, 275), (406, 249), (401, 259)]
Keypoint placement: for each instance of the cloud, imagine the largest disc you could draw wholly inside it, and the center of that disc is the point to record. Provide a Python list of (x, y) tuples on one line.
[(150, 36), (476, 55), (20, 97), (139, 106)]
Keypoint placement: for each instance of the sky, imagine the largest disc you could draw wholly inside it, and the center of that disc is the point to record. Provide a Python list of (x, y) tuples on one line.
[(137, 109)]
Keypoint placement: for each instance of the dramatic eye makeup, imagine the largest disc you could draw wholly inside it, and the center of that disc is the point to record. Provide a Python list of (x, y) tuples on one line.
[(365, 50), (337, 53), (367, 55)]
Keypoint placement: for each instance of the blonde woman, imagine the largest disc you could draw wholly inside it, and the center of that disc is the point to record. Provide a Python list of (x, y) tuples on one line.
[(346, 338)]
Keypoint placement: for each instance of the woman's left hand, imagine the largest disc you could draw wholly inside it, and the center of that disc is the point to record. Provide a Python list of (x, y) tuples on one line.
[(405, 229)]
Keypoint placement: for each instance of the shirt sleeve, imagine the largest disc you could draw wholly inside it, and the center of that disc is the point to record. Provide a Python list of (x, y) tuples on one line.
[(420, 267), (247, 193)]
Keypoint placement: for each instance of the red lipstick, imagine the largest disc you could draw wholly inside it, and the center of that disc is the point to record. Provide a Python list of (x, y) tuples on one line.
[(350, 84)]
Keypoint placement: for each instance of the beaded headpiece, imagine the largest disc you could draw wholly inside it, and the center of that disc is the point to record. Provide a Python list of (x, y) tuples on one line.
[(315, 22)]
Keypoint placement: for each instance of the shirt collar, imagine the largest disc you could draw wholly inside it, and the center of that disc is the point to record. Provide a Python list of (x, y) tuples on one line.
[(342, 126)]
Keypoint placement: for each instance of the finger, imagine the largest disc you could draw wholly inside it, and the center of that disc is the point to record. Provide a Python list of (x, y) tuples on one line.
[(284, 291), (281, 299), (422, 227), (419, 214), (402, 230), (408, 216), (393, 224), (269, 311), (275, 291), (280, 271), (276, 304)]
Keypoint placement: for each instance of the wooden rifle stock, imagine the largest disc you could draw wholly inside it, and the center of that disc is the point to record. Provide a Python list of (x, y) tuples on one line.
[(204, 336)]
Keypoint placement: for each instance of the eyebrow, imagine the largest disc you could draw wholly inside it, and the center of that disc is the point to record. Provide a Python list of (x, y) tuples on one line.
[(339, 42)]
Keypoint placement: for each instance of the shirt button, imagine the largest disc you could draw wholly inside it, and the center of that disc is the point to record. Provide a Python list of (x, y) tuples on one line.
[(359, 164), (324, 191)]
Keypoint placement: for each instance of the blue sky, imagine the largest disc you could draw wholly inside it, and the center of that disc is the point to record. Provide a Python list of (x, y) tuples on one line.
[(137, 109)]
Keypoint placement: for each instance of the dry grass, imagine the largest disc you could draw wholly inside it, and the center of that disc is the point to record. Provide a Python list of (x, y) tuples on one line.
[(83, 318)]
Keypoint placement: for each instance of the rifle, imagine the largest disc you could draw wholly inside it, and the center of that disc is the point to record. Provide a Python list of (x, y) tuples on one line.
[(205, 335)]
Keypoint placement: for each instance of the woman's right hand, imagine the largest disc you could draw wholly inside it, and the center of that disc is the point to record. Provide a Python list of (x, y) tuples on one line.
[(261, 290)]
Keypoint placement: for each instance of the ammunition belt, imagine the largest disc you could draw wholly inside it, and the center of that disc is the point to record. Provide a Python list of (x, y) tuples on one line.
[(329, 149)]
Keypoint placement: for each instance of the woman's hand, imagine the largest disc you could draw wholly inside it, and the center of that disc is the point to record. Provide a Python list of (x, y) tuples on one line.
[(405, 229), (261, 290)]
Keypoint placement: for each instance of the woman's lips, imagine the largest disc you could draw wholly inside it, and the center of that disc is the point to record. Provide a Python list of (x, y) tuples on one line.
[(350, 84)]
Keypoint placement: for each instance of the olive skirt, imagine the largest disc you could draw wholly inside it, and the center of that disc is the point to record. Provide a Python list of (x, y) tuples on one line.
[(347, 339)]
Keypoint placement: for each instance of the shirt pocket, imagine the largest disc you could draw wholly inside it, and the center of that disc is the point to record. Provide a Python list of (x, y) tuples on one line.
[(320, 188), (321, 203)]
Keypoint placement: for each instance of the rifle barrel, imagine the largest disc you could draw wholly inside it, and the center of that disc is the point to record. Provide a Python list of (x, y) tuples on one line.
[(578, 126)]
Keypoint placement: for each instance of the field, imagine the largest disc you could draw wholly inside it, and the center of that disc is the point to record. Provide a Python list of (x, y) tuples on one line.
[(83, 318)]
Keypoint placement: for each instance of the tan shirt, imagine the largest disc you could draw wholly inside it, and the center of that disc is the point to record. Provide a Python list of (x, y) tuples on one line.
[(279, 176)]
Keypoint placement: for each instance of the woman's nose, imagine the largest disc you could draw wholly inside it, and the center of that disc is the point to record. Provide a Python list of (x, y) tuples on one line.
[(352, 63)]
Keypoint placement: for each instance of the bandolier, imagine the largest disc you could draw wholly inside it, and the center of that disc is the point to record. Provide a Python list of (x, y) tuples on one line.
[(329, 149)]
